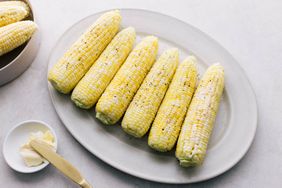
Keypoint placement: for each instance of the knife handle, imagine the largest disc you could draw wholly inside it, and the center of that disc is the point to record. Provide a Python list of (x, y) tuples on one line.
[(59, 162), (85, 184)]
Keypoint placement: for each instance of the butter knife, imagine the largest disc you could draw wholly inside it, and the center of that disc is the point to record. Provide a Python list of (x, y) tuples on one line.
[(59, 162)]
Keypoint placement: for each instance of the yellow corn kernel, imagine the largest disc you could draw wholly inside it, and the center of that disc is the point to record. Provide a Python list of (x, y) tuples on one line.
[(117, 96), (198, 124), (169, 119), (12, 14), (15, 34), (14, 4), (145, 104), (93, 84), (67, 72)]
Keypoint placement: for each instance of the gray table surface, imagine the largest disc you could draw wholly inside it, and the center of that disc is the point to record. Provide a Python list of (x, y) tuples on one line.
[(251, 30)]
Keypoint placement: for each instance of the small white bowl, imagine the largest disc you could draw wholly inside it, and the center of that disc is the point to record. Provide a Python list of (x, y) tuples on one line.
[(18, 136), (18, 60)]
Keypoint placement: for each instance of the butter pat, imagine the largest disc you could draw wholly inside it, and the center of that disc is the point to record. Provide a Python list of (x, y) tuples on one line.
[(29, 155)]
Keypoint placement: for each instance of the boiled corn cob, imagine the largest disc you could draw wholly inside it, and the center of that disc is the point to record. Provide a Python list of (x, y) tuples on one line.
[(169, 119), (15, 34), (92, 85), (198, 124), (11, 14), (67, 72), (145, 104), (116, 98), (14, 3)]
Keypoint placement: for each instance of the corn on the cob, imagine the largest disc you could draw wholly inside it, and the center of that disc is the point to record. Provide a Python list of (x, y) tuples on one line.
[(145, 104), (117, 96), (67, 72), (93, 84), (14, 3), (169, 119), (15, 34), (11, 14), (198, 124)]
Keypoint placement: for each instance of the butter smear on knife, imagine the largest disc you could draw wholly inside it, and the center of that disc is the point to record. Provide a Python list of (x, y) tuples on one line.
[(30, 156)]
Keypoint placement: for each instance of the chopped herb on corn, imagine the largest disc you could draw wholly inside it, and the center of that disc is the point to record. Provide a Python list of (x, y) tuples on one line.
[(145, 104), (117, 96), (15, 34), (198, 124), (93, 84), (169, 119), (67, 72)]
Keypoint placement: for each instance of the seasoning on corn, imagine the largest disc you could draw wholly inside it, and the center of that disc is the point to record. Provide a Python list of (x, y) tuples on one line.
[(145, 104), (198, 124), (117, 96), (11, 14), (167, 124), (93, 84), (67, 72), (15, 34)]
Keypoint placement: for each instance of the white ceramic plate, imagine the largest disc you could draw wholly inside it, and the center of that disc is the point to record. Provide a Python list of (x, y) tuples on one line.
[(236, 122)]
